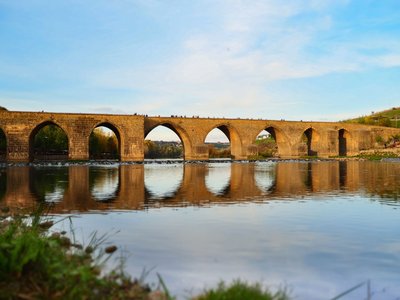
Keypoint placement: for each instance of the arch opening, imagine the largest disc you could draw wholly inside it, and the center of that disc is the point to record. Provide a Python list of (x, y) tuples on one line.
[(266, 143), (218, 142), (3, 145), (163, 141), (309, 142), (105, 143), (343, 140), (48, 141)]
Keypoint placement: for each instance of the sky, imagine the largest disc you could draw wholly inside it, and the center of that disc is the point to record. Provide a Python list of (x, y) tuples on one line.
[(294, 59)]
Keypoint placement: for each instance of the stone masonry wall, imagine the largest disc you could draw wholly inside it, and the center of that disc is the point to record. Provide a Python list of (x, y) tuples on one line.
[(20, 128)]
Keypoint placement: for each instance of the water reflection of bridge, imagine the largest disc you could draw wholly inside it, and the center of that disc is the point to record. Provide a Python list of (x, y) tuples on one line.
[(83, 188)]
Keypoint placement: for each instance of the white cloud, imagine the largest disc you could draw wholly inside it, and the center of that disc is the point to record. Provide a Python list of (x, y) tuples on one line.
[(227, 71)]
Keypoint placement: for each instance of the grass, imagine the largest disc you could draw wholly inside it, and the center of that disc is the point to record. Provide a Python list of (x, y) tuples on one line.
[(35, 264), (240, 290), (376, 155), (389, 117), (260, 157)]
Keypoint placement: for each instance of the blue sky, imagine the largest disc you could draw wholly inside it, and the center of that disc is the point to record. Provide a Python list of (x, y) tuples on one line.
[(272, 59)]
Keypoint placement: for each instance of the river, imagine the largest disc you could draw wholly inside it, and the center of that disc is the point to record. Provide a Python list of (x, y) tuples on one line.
[(314, 228)]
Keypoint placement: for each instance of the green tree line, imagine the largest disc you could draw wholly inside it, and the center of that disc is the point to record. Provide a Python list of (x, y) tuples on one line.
[(51, 139), (369, 120), (387, 118), (162, 150), (266, 147), (218, 152), (103, 144)]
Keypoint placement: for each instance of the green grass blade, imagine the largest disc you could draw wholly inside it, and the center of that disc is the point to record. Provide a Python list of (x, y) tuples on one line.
[(349, 291)]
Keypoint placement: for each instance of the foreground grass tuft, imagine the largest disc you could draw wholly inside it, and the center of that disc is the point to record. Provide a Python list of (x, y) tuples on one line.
[(240, 290), (35, 264)]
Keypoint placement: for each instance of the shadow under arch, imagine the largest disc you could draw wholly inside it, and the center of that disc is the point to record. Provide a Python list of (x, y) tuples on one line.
[(62, 150), (344, 137), (309, 142), (3, 145), (180, 132), (117, 133), (104, 183), (233, 137)]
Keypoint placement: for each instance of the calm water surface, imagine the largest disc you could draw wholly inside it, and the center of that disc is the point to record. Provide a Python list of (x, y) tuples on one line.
[(316, 228)]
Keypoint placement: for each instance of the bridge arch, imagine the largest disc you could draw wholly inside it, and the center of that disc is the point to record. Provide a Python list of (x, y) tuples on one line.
[(179, 131), (344, 138), (218, 145), (280, 138), (3, 144), (233, 136), (62, 145), (112, 153), (309, 142)]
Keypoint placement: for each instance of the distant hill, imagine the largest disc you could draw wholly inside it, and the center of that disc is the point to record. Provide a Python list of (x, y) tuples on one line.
[(3, 108), (388, 118)]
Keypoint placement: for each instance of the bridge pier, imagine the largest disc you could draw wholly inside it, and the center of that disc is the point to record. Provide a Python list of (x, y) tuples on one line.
[(17, 145), (198, 151), (328, 144), (78, 147)]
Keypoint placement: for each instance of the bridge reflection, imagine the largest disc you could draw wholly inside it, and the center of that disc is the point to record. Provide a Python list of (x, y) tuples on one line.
[(84, 188)]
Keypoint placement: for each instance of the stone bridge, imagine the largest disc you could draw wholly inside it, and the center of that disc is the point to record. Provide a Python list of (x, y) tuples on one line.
[(322, 139)]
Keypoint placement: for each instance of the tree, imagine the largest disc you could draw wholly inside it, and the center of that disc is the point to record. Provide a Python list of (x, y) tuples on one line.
[(267, 146), (162, 149), (103, 144), (50, 139)]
